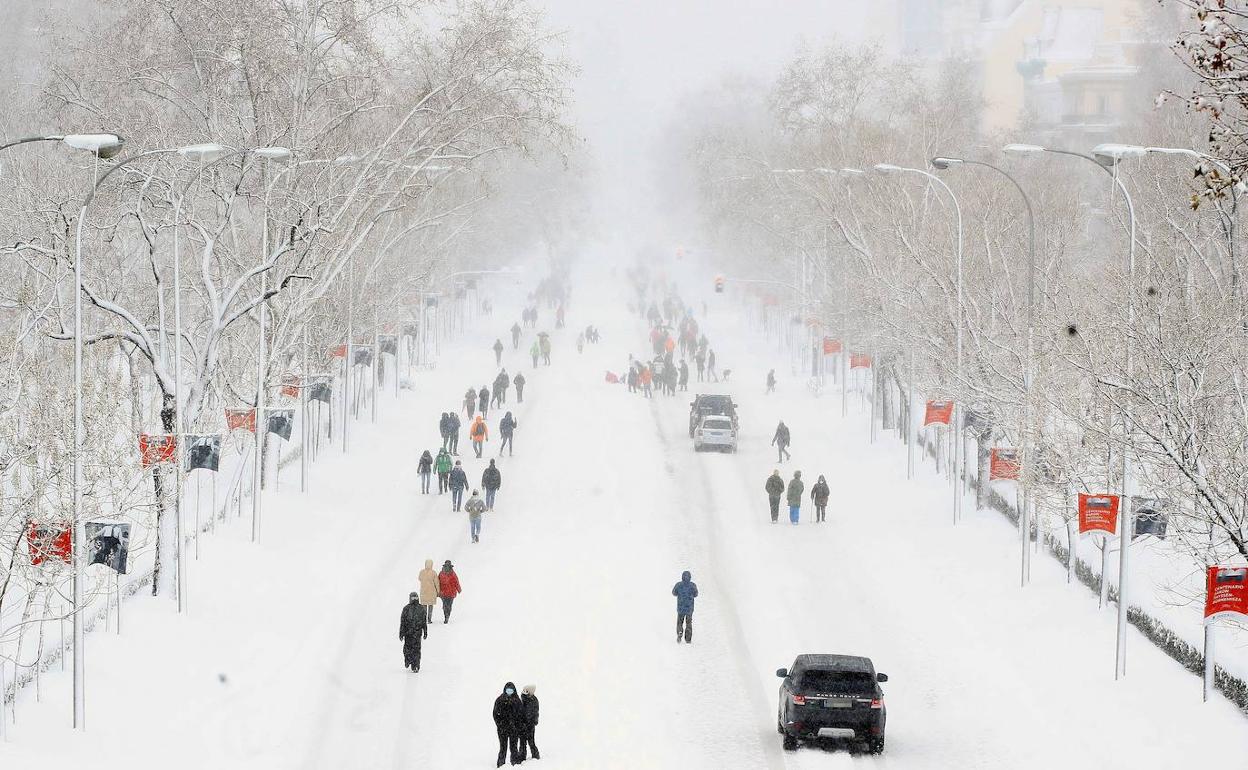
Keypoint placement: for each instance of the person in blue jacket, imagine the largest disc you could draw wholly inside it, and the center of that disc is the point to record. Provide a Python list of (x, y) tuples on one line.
[(685, 592), (458, 480)]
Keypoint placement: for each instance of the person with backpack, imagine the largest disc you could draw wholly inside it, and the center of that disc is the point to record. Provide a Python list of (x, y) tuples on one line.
[(448, 589), (413, 627), (535, 350), (479, 434), (442, 466), (796, 488), (458, 482), (498, 352), (506, 429), (509, 722), (519, 383), (781, 441), (820, 493), (530, 708), (515, 336), (775, 490), (425, 469), (475, 507), (483, 401), (685, 592), (491, 482)]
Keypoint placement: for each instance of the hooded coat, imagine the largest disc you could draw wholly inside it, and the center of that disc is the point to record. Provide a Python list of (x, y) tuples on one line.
[(796, 488), (479, 431), (448, 582), (775, 485), (492, 478), (458, 479), (413, 622), (483, 398), (502, 381), (685, 592), (444, 425), (444, 463), (820, 492), (507, 426), (519, 382), (528, 698), (426, 463), (428, 584), (509, 711), (475, 506)]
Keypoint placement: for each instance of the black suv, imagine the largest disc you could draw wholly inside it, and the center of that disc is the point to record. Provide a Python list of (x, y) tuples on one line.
[(832, 696), (704, 404)]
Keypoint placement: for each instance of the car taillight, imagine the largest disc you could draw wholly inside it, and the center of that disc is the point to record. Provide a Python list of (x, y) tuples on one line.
[(877, 703), (799, 700)]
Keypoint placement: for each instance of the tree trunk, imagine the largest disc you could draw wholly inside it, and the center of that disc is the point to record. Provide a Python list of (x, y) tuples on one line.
[(163, 571)]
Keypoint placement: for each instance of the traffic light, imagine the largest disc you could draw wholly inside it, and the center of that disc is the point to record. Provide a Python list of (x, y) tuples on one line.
[(719, 284)]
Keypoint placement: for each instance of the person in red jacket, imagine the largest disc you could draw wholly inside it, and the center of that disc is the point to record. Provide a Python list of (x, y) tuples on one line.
[(448, 589)]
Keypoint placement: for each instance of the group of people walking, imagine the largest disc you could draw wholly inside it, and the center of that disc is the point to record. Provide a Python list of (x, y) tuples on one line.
[(417, 615), (515, 718), (793, 493)]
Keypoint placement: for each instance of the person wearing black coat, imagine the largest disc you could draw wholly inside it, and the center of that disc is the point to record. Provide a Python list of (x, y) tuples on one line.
[(444, 427), (820, 493), (483, 400), (684, 375), (425, 469), (501, 383), (506, 429), (528, 701), (458, 481), (453, 431), (413, 627), (509, 721), (491, 480), (519, 383), (781, 440), (775, 490)]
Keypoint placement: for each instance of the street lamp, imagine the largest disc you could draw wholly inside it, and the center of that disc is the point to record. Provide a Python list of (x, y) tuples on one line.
[(1106, 157), (889, 168), (100, 145)]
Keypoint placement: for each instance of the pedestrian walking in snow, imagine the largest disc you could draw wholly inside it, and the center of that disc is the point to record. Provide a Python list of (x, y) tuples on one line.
[(544, 343), (710, 367), (413, 627), (498, 352), (479, 434), (491, 482), (796, 488), (443, 467), (455, 426), (428, 589), (631, 377), (425, 469), (515, 336), (685, 592), (700, 360), (444, 428), (771, 381), (580, 343), (819, 494), (458, 481), (470, 402), (483, 400), (448, 589), (528, 699), (775, 490), (501, 383), (684, 375), (506, 429), (519, 383), (535, 350), (475, 507), (781, 441), (509, 721)]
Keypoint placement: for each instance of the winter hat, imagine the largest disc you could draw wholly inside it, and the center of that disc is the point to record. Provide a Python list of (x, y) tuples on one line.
[(529, 689), (797, 474), (413, 595), (457, 462), (448, 564)]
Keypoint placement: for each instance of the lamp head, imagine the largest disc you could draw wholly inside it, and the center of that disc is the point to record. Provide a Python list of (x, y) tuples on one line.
[(942, 163), (204, 153), (273, 153), (1022, 149), (886, 168), (854, 171), (1108, 155), (100, 145)]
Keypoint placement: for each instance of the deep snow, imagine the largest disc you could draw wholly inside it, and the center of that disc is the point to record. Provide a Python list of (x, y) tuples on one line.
[(290, 657)]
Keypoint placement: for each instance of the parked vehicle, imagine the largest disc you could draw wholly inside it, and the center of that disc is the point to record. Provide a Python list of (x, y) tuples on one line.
[(832, 696), (705, 404), (715, 432)]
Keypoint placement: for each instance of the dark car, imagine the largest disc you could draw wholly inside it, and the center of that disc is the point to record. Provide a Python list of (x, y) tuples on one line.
[(832, 696), (705, 404)]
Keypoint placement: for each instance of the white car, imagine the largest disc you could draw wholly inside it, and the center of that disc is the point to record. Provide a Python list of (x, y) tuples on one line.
[(715, 431)]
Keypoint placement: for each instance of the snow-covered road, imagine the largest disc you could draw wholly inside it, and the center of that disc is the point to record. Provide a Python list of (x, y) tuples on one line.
[(290, 657)]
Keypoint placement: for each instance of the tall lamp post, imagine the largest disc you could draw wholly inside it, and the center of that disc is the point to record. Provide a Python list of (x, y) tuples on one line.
[(1106, 158), (943, 163), (100, 146), (889, 168)]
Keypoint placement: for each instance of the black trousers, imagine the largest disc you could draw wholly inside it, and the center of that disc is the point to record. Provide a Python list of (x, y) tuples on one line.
[(454, 443), (821, 512), (411, 652), (528, 745), (520, 394), (508, 742), (775, 507), (446, 608), (684, 624), (444, 482), (505, 445)]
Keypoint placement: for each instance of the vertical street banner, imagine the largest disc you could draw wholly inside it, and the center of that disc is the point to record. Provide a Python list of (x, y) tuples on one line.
[(859, 361), (319, 389), (338, 351), (938, 413), (280, 422), (47, 542), (388, 343), (290, 385), (1003, 464), (362, 355), (1150, 516), (108, 543), (1098, 513), (203, 452), (1226, 592), (244, 419), (831, 346), (157, 448)]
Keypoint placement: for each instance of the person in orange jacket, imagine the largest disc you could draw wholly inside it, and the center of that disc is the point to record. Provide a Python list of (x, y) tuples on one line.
[(479, 434)]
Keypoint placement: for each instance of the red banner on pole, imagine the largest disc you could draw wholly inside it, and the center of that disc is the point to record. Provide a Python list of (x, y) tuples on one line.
[(290, 385), (1003, 465), (938, 413), (831, 346), (1226, 592), (1098, 513), (859, 361), (240, 418), (156, 449), (47, 544), (338, 351)]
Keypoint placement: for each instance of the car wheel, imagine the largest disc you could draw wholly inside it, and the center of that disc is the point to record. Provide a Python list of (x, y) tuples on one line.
[(876, 745), (789, 743)]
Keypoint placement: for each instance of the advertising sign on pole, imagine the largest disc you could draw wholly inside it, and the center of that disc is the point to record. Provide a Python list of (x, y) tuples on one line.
[(859, 361), (1003, 464), (158, 448), (240, 418), (1098, 513), (938, 413), (1226, 592), (831, 346)]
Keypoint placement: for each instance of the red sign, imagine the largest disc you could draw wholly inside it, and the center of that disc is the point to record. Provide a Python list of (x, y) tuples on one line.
[(240, 418), (155, 449), (1226, 591), (831, 346), (1098, 513), (859, 361), (338, 351), (1003, 465), (938, 413), (290, 385), (48, 544)]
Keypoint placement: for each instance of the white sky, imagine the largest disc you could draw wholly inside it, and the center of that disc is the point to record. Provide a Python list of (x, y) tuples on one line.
[(638, 57)]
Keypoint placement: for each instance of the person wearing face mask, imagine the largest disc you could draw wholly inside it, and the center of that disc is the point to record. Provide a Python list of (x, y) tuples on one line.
[(509, 721)]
